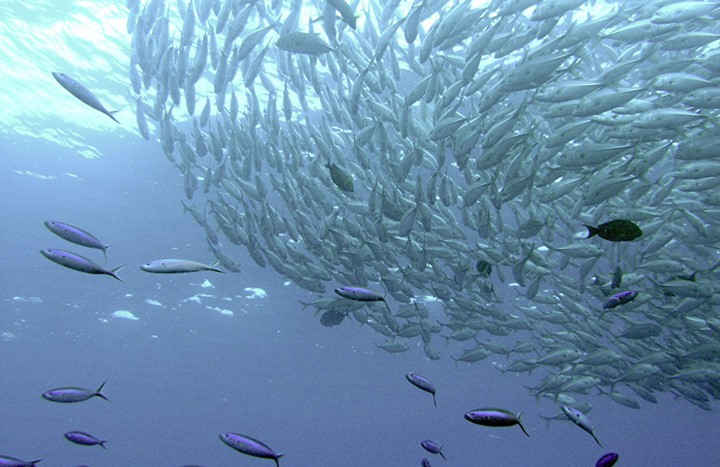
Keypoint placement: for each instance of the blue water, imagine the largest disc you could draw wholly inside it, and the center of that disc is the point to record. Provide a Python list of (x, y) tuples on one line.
[(183, 372)]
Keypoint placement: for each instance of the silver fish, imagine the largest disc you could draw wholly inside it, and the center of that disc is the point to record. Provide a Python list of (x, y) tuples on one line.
[(82, 93), (175, 266)]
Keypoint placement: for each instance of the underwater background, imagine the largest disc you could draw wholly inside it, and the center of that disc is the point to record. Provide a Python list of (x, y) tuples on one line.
[(190, 356)]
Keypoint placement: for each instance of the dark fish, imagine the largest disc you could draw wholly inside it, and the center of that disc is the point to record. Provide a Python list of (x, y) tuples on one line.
[(620, 298), (616, 278), (607, 460), (73, 394), (484, 268), (7, 461), (250, 446), (86, 439), (75, 235), (340, 178), (431, 446), (422, 383), (332, 318), (425, 463), (619, 230), (495, 417)]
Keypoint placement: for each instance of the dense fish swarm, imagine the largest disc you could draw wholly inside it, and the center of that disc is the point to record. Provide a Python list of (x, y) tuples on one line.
[(433, 149)]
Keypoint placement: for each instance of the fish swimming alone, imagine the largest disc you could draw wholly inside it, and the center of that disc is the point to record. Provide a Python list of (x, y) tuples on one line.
[(85, 439), (74, 394), (75, 235), (7, 461), (250, 446), (82, 93), (78, 263), (432, 447), (422, 383), (619, 230), (176, 266), (495, 417), (607, 460), (581, 420)]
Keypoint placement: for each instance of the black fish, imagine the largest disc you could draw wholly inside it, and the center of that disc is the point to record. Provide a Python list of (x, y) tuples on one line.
[(619, 230), (484, 268), (341, 179), (332, 318)]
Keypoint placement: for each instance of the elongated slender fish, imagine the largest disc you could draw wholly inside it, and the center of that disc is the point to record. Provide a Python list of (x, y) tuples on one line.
[(492, 416), (175, 266), (7, 461), (75, 235), (432, 446), (250, 446), (581, 420), (422, 383), (77, 262), (82, 93), (74, 394), (362, 295), (86, 439)]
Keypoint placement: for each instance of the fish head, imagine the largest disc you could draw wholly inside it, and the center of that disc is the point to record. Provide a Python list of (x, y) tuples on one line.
[(59, 77)]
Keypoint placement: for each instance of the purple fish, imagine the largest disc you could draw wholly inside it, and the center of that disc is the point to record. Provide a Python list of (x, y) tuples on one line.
[(495, 417), (7, 461), (86, 439), (73, 394), (250, 446), (77, 262), (431, 446), (607, 460), (422, 383), (620, 298), (75, 235)]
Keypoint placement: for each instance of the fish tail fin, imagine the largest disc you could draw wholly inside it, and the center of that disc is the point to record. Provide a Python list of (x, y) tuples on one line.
[(434, 401), (104, 249), (277, 459), (102, 443), (112, 273), (592, 231), (214, 266), (519, 418), (98, 391), (111, 114), (35, 461)]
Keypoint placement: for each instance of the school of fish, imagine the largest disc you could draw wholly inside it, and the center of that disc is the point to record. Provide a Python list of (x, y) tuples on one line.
[(561, 153)]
